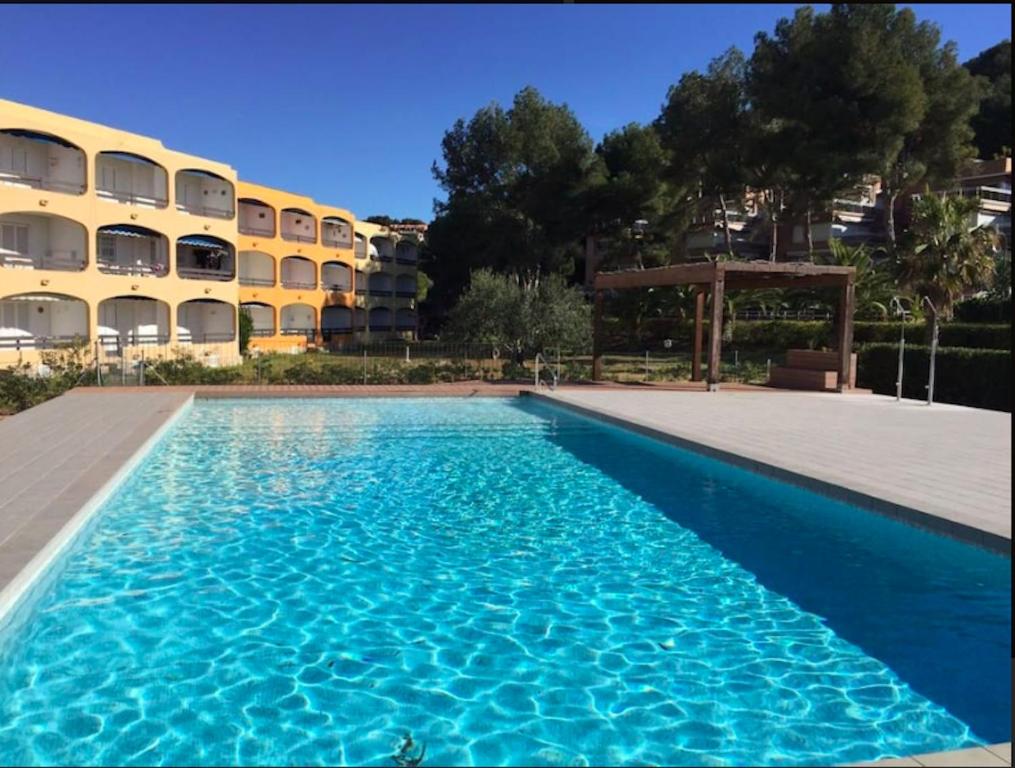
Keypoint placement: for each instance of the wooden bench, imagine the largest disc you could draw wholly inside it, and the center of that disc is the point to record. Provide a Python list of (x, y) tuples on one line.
[(811, 369)]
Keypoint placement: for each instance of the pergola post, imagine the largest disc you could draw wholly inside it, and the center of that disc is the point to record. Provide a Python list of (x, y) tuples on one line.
[(845, 331), (597, 342), (699, 332), (715, 328)]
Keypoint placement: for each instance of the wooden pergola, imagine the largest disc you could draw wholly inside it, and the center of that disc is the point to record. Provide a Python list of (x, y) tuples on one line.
[(715, 278)]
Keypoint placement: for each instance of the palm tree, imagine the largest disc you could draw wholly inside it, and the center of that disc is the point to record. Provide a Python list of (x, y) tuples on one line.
[(873, 283), (944, 256)]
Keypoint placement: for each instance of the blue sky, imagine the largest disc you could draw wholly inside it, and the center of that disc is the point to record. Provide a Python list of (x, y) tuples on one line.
[(348, 104)]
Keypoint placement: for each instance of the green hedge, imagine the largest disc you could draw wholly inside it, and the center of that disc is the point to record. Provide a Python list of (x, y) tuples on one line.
[(809, 334), (980, 378), (984, 310)]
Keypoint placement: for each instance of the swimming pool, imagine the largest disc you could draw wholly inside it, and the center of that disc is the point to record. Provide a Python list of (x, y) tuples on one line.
[(308, 581)]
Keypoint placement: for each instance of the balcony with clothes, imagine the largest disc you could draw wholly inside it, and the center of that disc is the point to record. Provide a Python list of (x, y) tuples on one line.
[(262, 316), (336, 276), (255, 218), (126, 321), (41, 321), (201, 257), (298, 226), (36, 160), (383, 249), (257, 268), (122, 177), (202, 193), (336, 232), (42, 241), (299, 273), (125, 249)]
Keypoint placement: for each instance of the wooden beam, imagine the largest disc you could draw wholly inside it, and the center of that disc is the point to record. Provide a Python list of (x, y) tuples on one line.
[(680, 274), (597, 341), (715, 329), (845, 332), (699, 331), (737, 282)]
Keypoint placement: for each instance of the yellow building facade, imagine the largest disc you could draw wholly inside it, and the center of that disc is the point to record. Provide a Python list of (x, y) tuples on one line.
[(296, 268), (111, 238), (386, 265)]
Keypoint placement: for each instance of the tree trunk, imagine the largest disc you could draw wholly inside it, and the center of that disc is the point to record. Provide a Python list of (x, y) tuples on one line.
[(726, 225), (775, 216), (809, 234), (890, 219)]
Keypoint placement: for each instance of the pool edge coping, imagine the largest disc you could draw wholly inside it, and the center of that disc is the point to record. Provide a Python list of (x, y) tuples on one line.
[(909, 515), (19, 588)]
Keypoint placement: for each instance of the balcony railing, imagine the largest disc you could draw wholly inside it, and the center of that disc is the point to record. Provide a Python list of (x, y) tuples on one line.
[(853, 206), (206, 338), (262, 332), (114, 343), (136, 270), (132, 198), (404, 325), (257, 280), (336, 286), (37, 182), (253, 229), (381, 292), (39, 342), (307, 285), (205, 210), (293, 237), (405, 261), (406, 294), (995, 194), (361, 291), (307, 333), (63, 261), (198, 273), (335, 241)]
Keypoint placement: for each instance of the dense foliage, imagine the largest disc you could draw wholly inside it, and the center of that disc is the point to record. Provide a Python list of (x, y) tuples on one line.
[(980, 378), (520, 318), (992, 123)]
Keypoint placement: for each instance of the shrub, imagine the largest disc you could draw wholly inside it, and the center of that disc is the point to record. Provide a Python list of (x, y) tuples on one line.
[(980, 378), (812, 334), (985, 310)]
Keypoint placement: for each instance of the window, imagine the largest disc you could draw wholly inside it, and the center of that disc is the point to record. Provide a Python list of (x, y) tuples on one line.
[(14, 238), (14, 314), (14, 160), (107, 248)]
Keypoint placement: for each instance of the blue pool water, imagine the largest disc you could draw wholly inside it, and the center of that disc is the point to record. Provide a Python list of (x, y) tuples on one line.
[(308, 581)]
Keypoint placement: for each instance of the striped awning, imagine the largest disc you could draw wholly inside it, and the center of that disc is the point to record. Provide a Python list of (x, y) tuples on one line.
[(201, 242), (125, 230)]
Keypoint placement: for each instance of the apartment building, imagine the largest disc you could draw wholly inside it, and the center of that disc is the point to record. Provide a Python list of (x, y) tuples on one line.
[(108, 237), (860, 218), (386, 264), (295, 268)]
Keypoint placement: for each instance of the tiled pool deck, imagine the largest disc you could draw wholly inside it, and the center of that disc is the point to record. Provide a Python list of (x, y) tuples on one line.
[(946, 467), (943, 466)]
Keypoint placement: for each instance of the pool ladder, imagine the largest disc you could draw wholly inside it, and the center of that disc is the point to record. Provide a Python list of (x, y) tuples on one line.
[(554, 374)]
